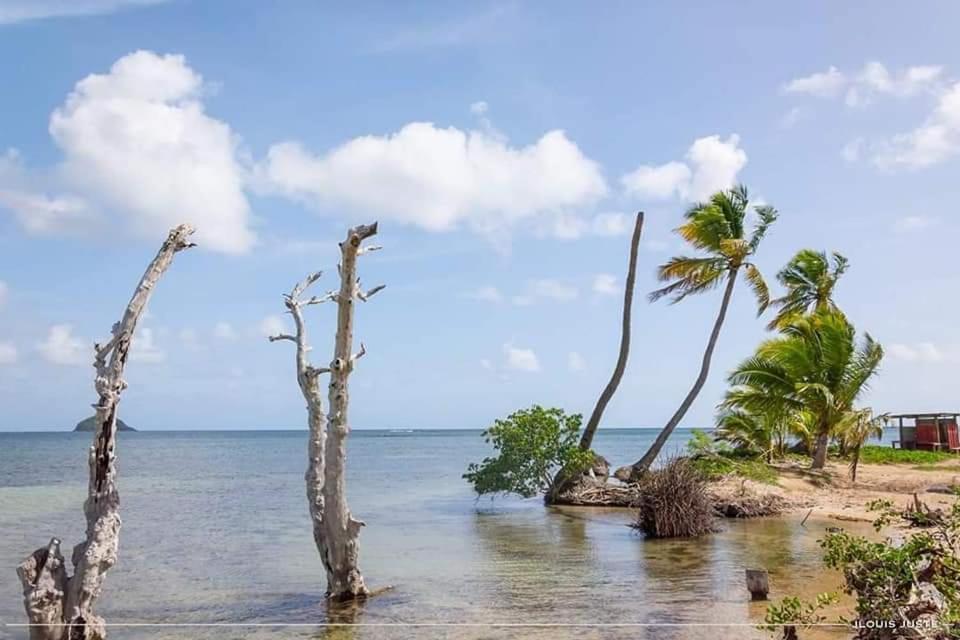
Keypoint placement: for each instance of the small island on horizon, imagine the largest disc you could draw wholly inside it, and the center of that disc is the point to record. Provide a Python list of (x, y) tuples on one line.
[(88, 425)]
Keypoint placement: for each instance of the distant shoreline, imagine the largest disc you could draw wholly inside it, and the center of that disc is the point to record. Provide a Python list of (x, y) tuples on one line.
[(397, 431)]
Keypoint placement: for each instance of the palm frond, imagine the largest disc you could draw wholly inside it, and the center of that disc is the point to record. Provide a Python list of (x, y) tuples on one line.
[(759, 287)]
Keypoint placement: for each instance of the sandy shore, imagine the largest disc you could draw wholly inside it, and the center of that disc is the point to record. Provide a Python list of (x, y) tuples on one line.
[(830, 493)]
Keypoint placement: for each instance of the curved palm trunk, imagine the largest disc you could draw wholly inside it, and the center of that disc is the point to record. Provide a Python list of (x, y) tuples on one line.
[(640, 467), (586, 440)]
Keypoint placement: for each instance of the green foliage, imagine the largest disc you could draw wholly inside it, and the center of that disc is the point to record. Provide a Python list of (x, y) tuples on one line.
[(715, 460), (812, 374), (891, 581), (793, 612), (855, 428), (532, 446), (884, 576), (872, 454)]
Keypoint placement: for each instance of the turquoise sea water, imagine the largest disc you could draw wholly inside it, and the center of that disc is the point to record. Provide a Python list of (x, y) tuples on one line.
[(215, 531)]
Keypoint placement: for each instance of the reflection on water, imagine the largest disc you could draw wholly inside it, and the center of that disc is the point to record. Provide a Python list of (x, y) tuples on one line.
[(215, 531)]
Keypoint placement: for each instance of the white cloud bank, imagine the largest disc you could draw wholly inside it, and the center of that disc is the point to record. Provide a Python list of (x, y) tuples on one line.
[(145, 349), (605, 284), (486, 294), (439, 178), (271, 326), (860, 89), (13, 11), (224, 331), (8, 353), (920, 352), (520, 359), (711, 164), (62, 347), (936, 140)]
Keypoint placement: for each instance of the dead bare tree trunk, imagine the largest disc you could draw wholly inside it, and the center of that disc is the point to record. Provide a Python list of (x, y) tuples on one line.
[(343, 530), (335, 530), (586, 440), (59, 606)]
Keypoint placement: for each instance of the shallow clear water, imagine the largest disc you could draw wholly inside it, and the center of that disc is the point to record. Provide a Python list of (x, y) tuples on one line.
[(215, 531)]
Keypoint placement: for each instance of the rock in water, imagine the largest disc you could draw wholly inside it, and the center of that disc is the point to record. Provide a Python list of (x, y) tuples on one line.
[(89, 425)]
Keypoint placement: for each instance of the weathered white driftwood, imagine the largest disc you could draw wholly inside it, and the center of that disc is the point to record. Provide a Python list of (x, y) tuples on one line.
[(335, 530), (59, 606)]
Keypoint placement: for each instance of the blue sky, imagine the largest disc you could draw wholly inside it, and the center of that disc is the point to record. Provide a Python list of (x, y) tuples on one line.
[(504, 148)]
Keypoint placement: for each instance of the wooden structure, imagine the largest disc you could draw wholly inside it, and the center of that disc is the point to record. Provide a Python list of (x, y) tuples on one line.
[(758, 583), (931, 431)]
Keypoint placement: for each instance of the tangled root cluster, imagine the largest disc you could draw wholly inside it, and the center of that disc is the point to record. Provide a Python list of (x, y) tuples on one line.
[(674, 502)]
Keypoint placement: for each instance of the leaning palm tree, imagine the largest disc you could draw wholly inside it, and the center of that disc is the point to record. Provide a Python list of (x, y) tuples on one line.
[(716, 228), (809, 279), (814, 368), (856, 428)]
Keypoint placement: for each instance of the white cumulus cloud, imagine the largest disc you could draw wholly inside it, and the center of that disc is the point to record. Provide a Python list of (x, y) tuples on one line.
[(936, 140), (137, 142), (659, 182), (486, 294), (913, 223), (62, 347), (712, 164), (13, 11), (438, 178), (825, 84), (553, 290), (919, 352), (145, 349), (520, 359), (605, 284), (575, 362), (861, 88), (224, 331), (272, 325), (8, 353), (611, 224)]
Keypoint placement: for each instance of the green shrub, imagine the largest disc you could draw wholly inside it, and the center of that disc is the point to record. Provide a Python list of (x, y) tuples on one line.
[(532, 446), (716, 460), (900, 587), (793, 612)]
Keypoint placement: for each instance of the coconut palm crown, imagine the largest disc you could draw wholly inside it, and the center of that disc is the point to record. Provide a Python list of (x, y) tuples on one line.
[(717, 228), (809, 278)]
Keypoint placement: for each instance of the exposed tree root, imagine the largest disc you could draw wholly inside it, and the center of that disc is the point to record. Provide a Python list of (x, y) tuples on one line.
[(730, 500)]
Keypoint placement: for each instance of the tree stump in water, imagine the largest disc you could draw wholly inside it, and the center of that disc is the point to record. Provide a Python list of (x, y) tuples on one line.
[(758, 583)]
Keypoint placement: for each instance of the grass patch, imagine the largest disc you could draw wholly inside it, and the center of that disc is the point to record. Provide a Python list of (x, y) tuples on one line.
[(717, 466), (888, 455)]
